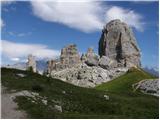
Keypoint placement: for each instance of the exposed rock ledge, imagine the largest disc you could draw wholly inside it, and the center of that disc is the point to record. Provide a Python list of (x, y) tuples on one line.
[(87, 76), (148, 86)]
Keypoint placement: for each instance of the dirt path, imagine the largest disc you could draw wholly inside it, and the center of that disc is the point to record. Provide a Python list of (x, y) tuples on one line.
[(9, 107)]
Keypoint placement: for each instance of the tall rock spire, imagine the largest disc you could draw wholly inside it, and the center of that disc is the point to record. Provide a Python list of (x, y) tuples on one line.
[(31, 64), (118, 42)]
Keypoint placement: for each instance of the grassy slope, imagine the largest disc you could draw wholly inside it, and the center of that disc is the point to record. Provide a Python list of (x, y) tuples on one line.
[(82, 102), (124, 83)]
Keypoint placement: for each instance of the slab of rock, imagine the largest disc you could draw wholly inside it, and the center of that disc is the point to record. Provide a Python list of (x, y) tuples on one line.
[(90, 58), (58, 108), (118, 43), (148, 86), (107, 63)]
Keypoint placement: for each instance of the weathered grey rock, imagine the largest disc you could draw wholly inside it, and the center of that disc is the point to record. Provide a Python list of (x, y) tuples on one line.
[(31, 64), (58, 108), (69, 58), (107, 63), (91, 58), (21, 75), (87, 76), (148, 86), (118, 43), (106, 97)]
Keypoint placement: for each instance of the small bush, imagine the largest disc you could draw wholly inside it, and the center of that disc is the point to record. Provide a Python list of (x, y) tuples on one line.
[(37, 88)]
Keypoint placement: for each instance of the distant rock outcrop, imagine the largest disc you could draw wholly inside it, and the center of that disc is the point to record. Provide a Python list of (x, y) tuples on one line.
[(85, 71), (31, 64), (69, 58), (117, 42), (90, 58), (118, 52)]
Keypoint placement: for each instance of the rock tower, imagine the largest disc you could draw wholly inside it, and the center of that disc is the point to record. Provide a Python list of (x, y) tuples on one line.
[(118, 43), (31, 64)]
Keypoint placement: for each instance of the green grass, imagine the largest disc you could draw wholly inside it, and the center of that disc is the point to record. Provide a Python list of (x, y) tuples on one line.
[(124, 83), (81, 102)]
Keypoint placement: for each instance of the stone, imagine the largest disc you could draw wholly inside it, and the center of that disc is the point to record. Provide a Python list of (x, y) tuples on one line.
[(106, 97), (107, 63), (44, 102), (150, 86), (58, 108), (118, 43), (87, 76), (91, 58), (31, 64), (69, 58), (21, 75)]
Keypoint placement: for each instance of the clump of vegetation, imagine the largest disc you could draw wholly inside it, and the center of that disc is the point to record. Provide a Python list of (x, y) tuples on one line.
[(37, 88), (78, 102), (30, 69)]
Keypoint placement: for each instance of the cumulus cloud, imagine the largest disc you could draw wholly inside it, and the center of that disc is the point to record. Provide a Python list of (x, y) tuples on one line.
[(14, 51), (85, 16), (128, 16), (1, 23), (6, 2), (15, 59)]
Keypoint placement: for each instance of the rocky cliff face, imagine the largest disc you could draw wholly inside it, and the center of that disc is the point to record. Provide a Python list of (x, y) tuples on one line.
[(117, 42), (88, 71), (118, 51), (69, 58)]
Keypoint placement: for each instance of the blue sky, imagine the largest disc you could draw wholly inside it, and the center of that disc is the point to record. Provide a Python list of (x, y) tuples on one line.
[(43, 28)]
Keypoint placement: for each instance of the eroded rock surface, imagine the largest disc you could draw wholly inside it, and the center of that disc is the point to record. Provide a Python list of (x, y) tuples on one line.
[(31, 64), (118, 43), (148, 86)]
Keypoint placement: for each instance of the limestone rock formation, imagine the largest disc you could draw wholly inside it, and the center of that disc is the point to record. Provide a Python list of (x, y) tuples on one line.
[(69, 58), (87, 76), (107, 63), (118, 43), (31, 64), (90, 58)]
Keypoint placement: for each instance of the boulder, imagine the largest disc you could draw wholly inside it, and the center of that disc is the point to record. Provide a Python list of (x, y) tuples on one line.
[(118, 43), (58, 108), (91, 58), (148, 86), (107, 63)]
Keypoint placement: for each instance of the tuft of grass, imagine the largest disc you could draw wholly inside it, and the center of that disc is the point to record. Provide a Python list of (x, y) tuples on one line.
[(78, 102)]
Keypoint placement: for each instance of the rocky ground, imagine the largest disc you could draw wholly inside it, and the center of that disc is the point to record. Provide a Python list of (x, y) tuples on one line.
[(148, 86), (9, 107), (88, 76)]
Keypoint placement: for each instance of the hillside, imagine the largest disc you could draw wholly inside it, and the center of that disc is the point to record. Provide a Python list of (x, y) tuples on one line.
[(123, 84), (77, 102)]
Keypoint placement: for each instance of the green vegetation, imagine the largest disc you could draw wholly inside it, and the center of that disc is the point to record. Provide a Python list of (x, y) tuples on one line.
[(80, 102), (123, 84)]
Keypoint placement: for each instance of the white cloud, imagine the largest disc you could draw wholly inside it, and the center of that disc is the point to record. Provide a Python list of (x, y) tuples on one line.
[(15, 59), (19, 50), (128, 16), (85, 16), (1, 23), (6, 2), (19, 34)]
